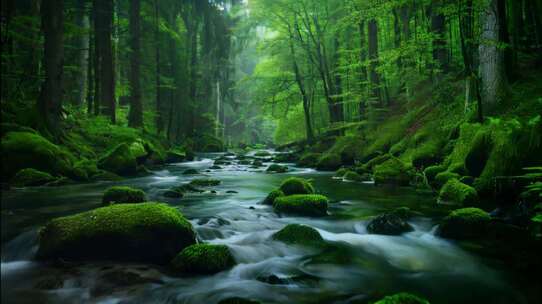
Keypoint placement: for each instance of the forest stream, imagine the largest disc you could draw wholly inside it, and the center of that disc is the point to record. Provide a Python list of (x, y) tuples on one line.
[(365, 265)]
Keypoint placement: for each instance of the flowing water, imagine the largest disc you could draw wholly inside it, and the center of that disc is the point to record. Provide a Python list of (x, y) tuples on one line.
[(357, 266)]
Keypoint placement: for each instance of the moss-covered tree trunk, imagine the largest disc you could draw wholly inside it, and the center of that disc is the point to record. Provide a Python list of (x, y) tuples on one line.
[(51, 95), (135, 118)]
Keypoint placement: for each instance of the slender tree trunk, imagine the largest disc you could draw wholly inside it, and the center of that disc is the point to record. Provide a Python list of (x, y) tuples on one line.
[(374, 77), (135, 118), (363, 68), (50, 100), (338, 100), (492, 66), (97, 58), (106, 76), (193, 72), (90, 76), (82, 22), (159, 119), (438, 28)]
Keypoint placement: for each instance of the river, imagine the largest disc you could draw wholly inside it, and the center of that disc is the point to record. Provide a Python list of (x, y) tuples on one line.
[(363, 266)]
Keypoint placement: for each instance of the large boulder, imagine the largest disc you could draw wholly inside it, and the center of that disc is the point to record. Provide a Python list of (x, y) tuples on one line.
[(308, 160), (22, 150), (329, 162), (388, 224), (119, 160), (466, 223), (123, 195), (302, 204), (456, 192), (272, 196), (298, 234), (296, 185), (402, 298), (203, 259), (394, 172), (31, 177), (276, 168), (146, 232)]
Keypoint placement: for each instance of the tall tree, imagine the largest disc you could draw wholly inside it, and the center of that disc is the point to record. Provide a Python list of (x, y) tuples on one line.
[(374, 76), (135, 118), (159, 119), (51, 95), (105, 74), (82, 44)]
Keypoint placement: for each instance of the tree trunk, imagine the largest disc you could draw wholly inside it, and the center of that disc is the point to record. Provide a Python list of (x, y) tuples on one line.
[(135, 118), (106, 78), (97, 58), (492, 69), (363, 68), (82, 23), (50, 100), (438, 28), (374, 77), (90, 76), (159, 120)]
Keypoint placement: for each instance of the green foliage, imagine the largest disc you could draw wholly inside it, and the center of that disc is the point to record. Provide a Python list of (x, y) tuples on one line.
[(119, 160), (31, 177), (205, 182), (393, 171), (203, 259), (302, 204), (329, 161), (123, 194), (149, 232), (353, 176), (296, 185), (298, 234), (402, 298), (464, 223), (270, 198)]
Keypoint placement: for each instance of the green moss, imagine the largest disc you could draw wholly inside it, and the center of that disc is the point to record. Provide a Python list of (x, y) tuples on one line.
[(296, 185), (443, 177), (276, 168), (456, 192), (402, 298), (479, 152), (138, 150), (149, 232), (458, 168), (237, 300), (31, 177), (119, 160), (341, 172), (85, 169), (175, 156), (190, 172), (262, 153), (205, 182), (377, 160), (353, 176), (123, 194), (329, 161), (393, 171), (302, 204), (272, 196), (429, 153), (432, 171), (203, 259), (298, 234), (308, 160), (464, 224), (29, 150), (388, 224)]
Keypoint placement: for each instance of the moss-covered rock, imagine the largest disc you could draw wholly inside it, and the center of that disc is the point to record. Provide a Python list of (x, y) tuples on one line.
[(427, 154), (119, 160), (298, 234), (85, 169), (203, 259), (464, 223), (286, 158), (456, 192), (173, 193), (432, 171), (138, 151), (147, 232), (237, 300), (404, 212), (296, 185), (175, 156), (22, 150), (308, 160), (394, 172), (341, 172), (31, 177), (355, 177), (402, 298), (123, 195), (388, 224), (443, 177), (262, 153), (270, 198), (276, 168), (257, 163), (329, 162), (205, 182), (302, 204), (376, 160), (190, 171)]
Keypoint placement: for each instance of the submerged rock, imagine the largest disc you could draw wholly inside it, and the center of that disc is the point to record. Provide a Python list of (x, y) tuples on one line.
[(31, 177), (145, 232), (262, 153), (237, 300), (298, 234), (296, 185), (464, 223), (123, 194), (402, 298), (205, 182), (190, 171), (203, 259), (388, 224), (456, 192), (275, 168), (302, 204)]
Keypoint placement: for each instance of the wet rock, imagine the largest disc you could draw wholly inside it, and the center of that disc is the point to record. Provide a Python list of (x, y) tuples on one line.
[(393, 172), (388, 224), (237, 300), (244, 162), (298, 234), (302, 204), (203, 259), (49, 283), (205, 182), (272, 280), (119, 160), (262, 154), (123, 194), (116, 279), (296, 185), (402, 298), (466, 223), (270, 199), (219, 162), (173, 193), (146, 232), (329, 162), (231, 191), (456, 192), (190, 171), (275, 168), (31, 177), (257, 163)]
